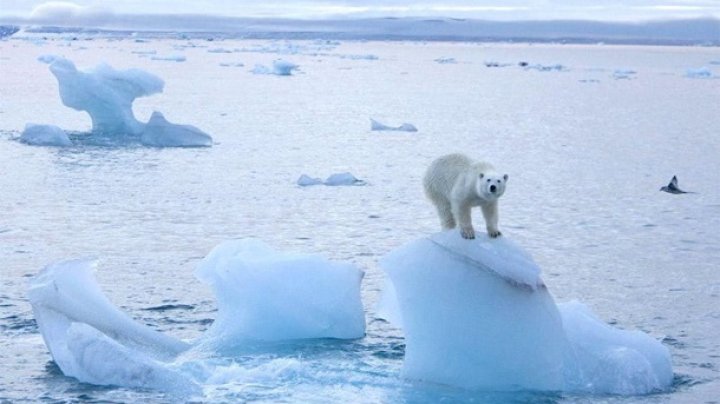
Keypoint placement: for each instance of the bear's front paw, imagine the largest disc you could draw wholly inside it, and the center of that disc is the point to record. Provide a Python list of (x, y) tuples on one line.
[(494, 233), (467, 232)]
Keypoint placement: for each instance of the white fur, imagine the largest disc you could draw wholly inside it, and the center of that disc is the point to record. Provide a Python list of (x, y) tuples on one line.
[(455, 184)]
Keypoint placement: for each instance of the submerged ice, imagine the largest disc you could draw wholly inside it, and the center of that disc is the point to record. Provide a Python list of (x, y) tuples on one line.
[(161, 133), (405, 127), (484, 320)]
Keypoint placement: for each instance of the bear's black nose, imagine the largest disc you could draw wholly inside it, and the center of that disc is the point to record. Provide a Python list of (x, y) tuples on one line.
[(493, 188)]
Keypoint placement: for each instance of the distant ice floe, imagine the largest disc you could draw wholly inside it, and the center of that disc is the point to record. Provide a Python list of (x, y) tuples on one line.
[(159, 132), (497, 64), (170, 58), (226, 64), (476, 314), (219, 50), (107, 96), (45, 135), (699, 73), (545, 68), (624, 74), (445, 61), (337, 179), (405, 127), (263, 296), (279, 68)]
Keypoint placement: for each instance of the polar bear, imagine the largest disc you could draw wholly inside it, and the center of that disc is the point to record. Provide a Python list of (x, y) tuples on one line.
[(455, 184)]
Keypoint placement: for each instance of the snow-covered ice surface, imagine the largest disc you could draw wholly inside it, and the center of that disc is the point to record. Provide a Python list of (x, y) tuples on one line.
[(587, 162)]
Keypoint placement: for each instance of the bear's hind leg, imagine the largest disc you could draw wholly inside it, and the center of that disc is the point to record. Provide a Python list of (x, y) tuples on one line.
[(445, 213)]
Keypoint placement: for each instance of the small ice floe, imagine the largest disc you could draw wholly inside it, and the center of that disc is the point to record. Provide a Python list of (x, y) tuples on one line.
[(624, 74), (405, 127), (219, 50), (279, 68), (306, 180), (44, 135), (589, 81), (545, 68), (337, 179), (446, 61), (343, 179), (170, 58), (699, 73), (160, 133)]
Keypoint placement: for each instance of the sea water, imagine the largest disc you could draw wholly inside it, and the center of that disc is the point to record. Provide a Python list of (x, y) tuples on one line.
[(586, 151)]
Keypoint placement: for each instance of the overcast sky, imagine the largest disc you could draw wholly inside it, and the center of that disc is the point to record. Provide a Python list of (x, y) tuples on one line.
[(604, 10)]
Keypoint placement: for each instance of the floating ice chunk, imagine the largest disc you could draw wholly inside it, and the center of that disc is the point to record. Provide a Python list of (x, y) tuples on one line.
[(44, 135), (605, 360), (267, 295), (358, 57), (306, 180), (160, 133), (93, 341), (476, 315), (699, 73), (225, 64), (406, 127), (170, 58), (446, 61), (104, 93), (8, 31), (467, 326), (219, 50), (279, 68), (343, 179)]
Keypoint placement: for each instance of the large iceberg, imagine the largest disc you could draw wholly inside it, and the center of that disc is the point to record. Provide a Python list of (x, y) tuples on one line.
[(44, 135), (267, 295), (161, 133), (476, 314), (104, 93)]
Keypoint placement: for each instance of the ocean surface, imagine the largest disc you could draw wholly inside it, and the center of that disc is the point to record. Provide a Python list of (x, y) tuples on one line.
[(587, 133)]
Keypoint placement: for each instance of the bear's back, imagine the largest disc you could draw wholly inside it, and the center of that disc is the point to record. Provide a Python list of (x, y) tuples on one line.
[(443, 173)]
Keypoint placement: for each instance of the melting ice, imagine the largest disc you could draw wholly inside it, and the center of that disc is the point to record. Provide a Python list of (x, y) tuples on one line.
[(475, 314)]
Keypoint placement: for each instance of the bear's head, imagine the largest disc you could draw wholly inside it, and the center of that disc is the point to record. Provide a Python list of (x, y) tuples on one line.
[(490, 186)]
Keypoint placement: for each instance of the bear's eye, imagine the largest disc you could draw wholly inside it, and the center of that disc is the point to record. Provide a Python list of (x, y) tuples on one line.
[(488, 179)]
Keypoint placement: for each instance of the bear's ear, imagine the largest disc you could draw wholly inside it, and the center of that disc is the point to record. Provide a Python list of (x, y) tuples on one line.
[(505, 177), (481, 175)]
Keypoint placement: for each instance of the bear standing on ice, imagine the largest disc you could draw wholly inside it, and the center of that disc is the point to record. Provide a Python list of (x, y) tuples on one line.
[(455, 184)]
